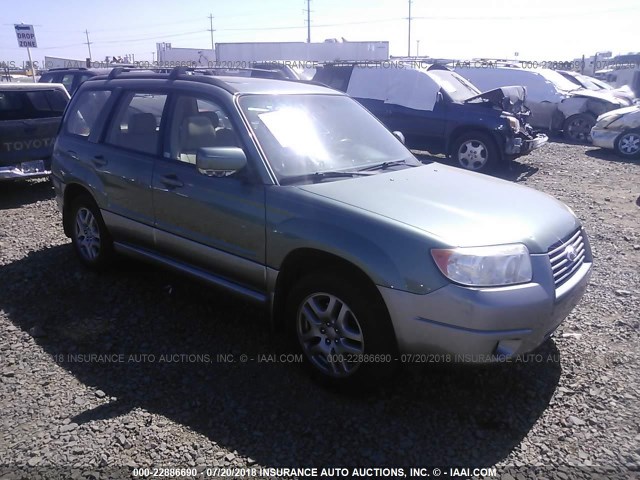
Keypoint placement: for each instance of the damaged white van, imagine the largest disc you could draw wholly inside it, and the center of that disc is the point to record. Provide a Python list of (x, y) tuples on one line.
[(556, 104)]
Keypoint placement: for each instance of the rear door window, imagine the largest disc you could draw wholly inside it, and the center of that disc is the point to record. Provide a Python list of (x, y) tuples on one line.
[(86, 110), (136, 125)]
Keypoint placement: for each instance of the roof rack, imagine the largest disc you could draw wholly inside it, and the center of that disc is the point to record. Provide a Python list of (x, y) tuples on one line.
[(115, 72), (66, 68)]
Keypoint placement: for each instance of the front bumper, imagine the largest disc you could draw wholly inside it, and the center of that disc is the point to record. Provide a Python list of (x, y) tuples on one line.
[(522, 146), (477, 324), (601, 137)]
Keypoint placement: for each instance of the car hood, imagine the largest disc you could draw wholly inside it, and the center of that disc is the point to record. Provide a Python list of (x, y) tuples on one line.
[(460, 208), (508, 99), (600, 95)]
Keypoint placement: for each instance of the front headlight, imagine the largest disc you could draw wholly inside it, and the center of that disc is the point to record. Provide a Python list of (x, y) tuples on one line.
[(608, 120), (485, 266)]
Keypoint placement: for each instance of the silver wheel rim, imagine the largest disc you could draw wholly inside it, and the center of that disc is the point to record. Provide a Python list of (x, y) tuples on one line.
[(87, 234), (330, 335), (629, 144), (473, 154), (580, 129)]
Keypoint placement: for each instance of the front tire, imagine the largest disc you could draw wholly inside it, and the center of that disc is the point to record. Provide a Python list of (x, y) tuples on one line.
[(628, 144), (577, 128), (89, 234), (343, 330), (475, 151)]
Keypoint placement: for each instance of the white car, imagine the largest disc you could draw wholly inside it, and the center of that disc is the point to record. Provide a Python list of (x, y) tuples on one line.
[(556, 104), (620, 131)]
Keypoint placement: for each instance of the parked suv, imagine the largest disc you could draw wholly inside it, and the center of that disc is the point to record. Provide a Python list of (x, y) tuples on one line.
[(439, 111), (30, 115), (293, 196), (71, 78)]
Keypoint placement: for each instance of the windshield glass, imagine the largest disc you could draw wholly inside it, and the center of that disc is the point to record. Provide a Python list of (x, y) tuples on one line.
[(305, 134), (586, 82), (599, 83), (457, 87), (558, 80)]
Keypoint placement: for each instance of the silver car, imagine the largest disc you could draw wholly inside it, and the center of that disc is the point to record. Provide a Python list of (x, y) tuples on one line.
[(294, 196)]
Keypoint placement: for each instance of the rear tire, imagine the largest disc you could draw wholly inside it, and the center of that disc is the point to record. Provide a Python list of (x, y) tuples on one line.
[(577, 128), (628, 144), (89, 234), (475, 151), (343, 330)]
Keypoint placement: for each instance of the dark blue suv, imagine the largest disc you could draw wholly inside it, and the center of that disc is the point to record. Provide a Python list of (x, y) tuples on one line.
[(439, 111)]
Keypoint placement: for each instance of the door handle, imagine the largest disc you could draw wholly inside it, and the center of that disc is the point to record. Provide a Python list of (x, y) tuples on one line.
[(99, 161), (73, 155), (171, 181)]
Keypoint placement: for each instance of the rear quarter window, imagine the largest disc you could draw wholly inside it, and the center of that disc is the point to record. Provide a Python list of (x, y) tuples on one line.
[(84, 113)]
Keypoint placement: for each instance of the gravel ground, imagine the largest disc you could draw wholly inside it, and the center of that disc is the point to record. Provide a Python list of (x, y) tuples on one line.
[(156, 392)]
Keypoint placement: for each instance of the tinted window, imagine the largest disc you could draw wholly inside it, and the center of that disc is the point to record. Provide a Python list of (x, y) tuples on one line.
[(85, 112), (17, 105), (137, 121), (46, 78), (334, 77), (197, 123), (67, 81)]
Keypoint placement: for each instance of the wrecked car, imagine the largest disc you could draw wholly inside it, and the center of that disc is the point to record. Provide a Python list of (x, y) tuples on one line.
[(30, 114), (620, 131), (556, 104), (439, 111), (624, 93)]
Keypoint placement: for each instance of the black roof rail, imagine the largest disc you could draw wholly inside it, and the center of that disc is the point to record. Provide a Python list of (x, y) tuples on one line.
[(66, 68), (177, 71), (115, 72)]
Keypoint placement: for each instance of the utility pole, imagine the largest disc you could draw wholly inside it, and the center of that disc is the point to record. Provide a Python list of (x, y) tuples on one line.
[(153, 58), (211, 29), (308, 10), (409, 39), (417, 48), (86, 32)]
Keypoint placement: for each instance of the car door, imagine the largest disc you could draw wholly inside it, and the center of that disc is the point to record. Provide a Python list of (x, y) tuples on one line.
[(210, 223), (124, 161)]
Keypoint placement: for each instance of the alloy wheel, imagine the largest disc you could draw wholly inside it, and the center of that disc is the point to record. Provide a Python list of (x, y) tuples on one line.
[(330, 335), (87, 234)]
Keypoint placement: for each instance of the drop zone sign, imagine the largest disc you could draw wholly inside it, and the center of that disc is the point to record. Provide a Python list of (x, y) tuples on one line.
[(26, 36)]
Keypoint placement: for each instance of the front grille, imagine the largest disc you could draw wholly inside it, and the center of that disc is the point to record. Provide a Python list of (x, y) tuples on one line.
[(566, 257)]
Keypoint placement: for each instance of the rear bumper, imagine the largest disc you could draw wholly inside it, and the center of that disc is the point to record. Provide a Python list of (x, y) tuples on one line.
[(601, 137), (14, 172), (477, 325)]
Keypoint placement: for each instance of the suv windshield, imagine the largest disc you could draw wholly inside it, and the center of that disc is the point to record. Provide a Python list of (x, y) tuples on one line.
[(457, 87), (306, 134)]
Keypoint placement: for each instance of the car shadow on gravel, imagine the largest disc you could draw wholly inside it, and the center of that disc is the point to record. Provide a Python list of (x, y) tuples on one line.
[(165, 344), (20, 193), (611, 156)]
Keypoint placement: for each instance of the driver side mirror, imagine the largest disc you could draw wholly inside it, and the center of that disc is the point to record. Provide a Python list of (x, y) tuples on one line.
[(399, 136), (220, 161)]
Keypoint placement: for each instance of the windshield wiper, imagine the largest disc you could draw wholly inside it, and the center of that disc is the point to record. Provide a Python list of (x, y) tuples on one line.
[(319, 176), (385, 165)]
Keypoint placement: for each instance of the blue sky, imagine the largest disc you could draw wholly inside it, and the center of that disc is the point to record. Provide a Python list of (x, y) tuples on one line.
[(461, 29)]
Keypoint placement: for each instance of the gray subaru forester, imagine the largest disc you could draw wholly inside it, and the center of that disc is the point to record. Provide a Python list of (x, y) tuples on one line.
[(294, 196)]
